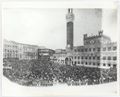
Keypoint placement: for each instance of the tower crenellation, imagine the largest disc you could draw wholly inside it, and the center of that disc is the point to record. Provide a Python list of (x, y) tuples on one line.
[(100, 33)]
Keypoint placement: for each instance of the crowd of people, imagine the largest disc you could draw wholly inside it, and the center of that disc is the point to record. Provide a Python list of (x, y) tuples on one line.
[(46, 73)]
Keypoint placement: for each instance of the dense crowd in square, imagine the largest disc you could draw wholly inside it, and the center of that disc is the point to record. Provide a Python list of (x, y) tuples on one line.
[(46, 73)]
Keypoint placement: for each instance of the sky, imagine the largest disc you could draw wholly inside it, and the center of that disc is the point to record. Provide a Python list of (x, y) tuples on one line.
[(47, 27)]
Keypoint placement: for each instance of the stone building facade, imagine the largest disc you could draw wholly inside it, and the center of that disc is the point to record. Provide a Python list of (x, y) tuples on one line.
[(15, 50), (59, 56), (98, 51), (10, 49)]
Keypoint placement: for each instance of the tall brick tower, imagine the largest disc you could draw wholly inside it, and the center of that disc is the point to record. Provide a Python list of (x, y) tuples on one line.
[(70, 19)]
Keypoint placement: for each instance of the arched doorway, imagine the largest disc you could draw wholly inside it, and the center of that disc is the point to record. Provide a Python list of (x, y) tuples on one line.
[(68, 61)]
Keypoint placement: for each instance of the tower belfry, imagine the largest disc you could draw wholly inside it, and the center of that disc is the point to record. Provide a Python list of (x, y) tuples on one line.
[(70, 10), (70, 24)]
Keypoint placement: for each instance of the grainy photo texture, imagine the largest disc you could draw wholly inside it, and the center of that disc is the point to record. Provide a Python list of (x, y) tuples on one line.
[(65, 46)]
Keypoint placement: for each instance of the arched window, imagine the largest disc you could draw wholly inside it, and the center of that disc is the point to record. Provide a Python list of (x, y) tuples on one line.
[(109, 58), (114, 48), (82, 57), (104, 58), (89, 57), (104, 49), (93, 63), (109, 48), (90, 49), (75, 57), (109, 64), (114, 58), (104, 64), (93, 58)]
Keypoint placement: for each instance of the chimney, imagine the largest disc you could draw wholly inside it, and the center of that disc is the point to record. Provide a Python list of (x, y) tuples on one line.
[(100, 32), (85, 36)]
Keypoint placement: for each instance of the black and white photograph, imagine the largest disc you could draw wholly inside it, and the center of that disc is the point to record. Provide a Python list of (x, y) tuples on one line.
[(59, 51)]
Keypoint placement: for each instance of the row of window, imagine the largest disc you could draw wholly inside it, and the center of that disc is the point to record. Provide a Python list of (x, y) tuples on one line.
[(27, 57), (94, 64), (86, 63), (11, 46), (90, 63), (109, 58), (16, 55), (17, 51), (28, 49), (110, 48), (10, 56), (96, 49), (10, 50), (97, 58)]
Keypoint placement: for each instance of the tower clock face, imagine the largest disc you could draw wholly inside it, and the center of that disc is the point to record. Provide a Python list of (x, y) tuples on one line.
[(68, 46)]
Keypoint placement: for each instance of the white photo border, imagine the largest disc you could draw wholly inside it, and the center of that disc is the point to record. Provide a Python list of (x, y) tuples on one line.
[(113, 4)]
